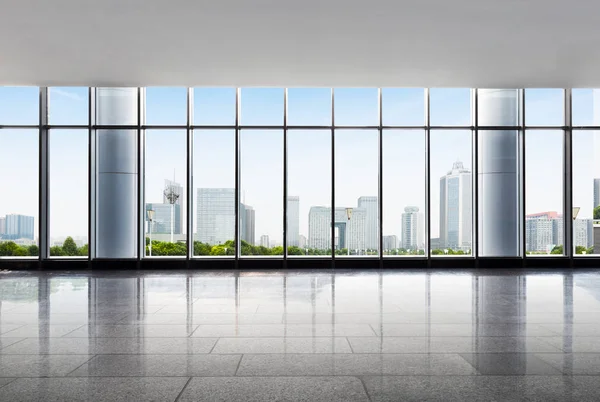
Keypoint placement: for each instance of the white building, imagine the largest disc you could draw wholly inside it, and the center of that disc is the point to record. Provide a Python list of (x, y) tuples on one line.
[(293, 221), (302, 241), (456, 208), (371, 207), (390, 242), (264, 241), (349, 232), (413, 229), (215, 217)]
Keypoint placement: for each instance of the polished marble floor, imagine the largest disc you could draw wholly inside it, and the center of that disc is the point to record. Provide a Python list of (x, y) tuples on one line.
[(308, 335)]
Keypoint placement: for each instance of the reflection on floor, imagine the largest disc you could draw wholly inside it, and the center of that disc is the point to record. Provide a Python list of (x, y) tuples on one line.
[(379, 336)]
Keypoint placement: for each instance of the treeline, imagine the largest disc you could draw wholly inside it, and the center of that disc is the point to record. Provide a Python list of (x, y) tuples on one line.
[(68, 249)]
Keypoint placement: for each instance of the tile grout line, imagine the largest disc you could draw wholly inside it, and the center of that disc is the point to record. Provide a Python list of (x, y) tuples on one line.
[(81, 365), (12, 344), (10, 382), (214, 346), (3, 334), (183, 389), (70, 332), (372, 329), (349, 344), (360, 378), (238, 366)]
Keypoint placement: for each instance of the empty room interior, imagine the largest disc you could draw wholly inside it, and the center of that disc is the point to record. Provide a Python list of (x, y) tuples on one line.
[(299, 201)]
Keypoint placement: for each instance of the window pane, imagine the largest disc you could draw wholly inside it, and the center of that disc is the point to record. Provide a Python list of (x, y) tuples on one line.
[(404, 192), (585, 105), (309, 192), (214, 194), (166, 106), (450, 106), (68, 193), (19, 212), (356, 107), (403, 106), (451, 192), (586, 190), (68, 105), (214, 106), (165, 192), (261, 207), (544, 192), (19, 105), (544, 107), (356, 222), (309, 107), (262, 106)]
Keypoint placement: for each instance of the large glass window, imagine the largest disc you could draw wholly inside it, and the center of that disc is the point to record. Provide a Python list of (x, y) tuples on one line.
[(451, 192), (586, 191), (68, 193), (166, 106), (356, 107), (214, 193), (19, 201), (261, 192), (544, 107), (214, 106), (450, 106), (309, 192), (404, 192), (309, 107), (262, 106), (356, 220), (544, 223), (68, 106), (165, 195), (19, 105), (403, 106)]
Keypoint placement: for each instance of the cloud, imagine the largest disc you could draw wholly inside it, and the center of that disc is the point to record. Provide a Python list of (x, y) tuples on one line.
[(71, 95)]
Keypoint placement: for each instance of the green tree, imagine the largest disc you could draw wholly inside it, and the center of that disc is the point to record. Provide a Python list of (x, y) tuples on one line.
[(57, 251), (83, 250), (293, 250), (557, 250), (69, 247), (597, 212), (33, 250), (12, 249), (437, 251)]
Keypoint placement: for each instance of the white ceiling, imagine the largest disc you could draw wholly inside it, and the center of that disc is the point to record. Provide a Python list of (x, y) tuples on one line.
[(460, 43)]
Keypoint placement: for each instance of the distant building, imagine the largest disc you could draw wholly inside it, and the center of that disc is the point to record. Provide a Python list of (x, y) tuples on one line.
[(413, 229), (18, 227), (293, 221), (371, 207), (162, 218), (302, 242), (456, 208), (390, 242), (2, 226), (215, 217), (247, 224), (264, 241), (543, 231), (582, 232), (349, 233), (177, 188)]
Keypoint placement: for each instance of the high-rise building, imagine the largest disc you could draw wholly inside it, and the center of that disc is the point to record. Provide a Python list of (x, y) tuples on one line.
[(215, 217), (543, 231), (2, 226), (413, 229), (247, 224), (162, 218), (293, 220), (264, 241), (302, 242), (18, 227), (455, 208), (582, 232), (349, 232), (371, 207), (177, 188), (390, 242)]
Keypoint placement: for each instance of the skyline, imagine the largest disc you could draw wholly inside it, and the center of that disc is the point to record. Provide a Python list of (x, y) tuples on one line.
[(309, 151)]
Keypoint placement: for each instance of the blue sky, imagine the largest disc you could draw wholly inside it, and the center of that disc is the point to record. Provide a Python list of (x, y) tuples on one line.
[(309, 151)]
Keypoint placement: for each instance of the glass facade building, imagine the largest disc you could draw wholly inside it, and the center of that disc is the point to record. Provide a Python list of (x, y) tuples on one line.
[(325, 174)]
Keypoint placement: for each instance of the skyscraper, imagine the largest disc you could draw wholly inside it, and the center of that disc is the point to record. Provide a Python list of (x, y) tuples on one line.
[(455, 208), (162, 218), (293, 221), (178, 188), (390, 242), (413, 229), (349, 233), (264, 241), (18, 227), (371, 207), (541, 231), (215, 217), (2, 226)]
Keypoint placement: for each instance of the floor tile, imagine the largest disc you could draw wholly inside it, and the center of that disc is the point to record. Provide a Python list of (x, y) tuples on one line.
[(506, 330), (529, 388), (159, 365), (4, 328), (5, 342), (39, 366), (426, 388), (87, 346), (289, 330), (573, 363), (281, 345), (258, 389), (509, 364), (364, 364), (133, 331), (448, 344), (42, 331), (4, 381), (93, 389)]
